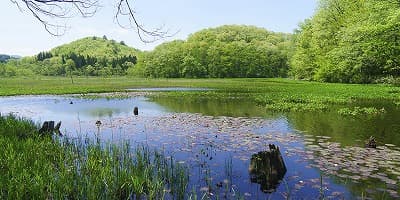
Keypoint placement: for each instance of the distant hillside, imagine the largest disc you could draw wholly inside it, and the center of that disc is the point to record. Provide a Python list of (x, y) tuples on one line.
[(90, 56), (95, 47), (5, 57)]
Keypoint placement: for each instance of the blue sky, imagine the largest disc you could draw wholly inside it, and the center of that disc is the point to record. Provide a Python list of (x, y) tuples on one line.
[(21, 34)]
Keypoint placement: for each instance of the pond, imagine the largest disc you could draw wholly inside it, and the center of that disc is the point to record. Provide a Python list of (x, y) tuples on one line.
[(217, 138)]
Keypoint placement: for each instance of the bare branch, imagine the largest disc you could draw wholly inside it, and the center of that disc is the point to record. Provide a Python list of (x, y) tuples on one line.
[(48, 11), (124, 9)]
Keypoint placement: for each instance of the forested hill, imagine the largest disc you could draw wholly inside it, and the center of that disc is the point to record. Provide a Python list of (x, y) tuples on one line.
[(344, 41), (90, 56), (96, 47), (225, 51)]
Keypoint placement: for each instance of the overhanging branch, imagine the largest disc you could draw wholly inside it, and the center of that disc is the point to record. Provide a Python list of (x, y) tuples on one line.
[(49, 11)]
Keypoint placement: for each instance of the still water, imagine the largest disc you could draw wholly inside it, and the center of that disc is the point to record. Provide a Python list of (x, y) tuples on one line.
[(216, 139)]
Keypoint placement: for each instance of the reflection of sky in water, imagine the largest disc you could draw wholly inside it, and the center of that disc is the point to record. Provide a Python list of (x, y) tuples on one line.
[(58, 108), (186, 141)]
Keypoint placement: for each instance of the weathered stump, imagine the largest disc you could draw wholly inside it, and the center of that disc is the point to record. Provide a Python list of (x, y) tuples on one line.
[(371, 142), (136, 110), (58, 125), (267, 168), (49, 128)]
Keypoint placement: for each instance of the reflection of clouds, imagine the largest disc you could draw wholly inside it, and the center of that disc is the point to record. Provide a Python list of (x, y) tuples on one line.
[(59, 107)]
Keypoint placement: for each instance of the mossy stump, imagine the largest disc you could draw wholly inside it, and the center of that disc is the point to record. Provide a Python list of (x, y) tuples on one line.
[(267, 168)]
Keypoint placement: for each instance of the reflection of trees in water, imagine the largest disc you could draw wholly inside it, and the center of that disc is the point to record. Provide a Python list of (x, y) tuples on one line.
[(267, 168), (242, 107), (102, 112), (384, 128)]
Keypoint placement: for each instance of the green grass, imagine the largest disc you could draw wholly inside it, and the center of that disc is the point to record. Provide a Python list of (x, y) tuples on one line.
[(275, 94), (34, 167)]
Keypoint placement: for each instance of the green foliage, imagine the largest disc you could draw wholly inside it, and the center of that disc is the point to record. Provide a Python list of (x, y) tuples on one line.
[(95, 47), (364, 111), (43, 168), (274, 94), (11, 126), (91, 56), (226, 51), (349, 41), (43, 55)]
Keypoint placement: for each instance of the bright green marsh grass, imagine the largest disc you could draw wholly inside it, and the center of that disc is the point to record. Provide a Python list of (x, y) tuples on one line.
[(275, 94), (39, 167)]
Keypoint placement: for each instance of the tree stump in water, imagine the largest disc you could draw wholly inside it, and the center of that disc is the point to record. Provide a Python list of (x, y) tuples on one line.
[(267, 168), (371, 142), (48, 127), (136, 110)]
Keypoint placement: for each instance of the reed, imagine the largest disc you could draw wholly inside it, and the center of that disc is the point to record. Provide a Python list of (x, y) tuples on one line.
[(38, 167)]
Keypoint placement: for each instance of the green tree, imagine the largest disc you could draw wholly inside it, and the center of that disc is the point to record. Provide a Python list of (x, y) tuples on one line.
[(226, 51), (349, 41), (69, 67)]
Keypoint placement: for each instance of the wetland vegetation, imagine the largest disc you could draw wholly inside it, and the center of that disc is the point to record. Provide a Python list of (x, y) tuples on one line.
[(196, 138), (44, 167), (215, 151)]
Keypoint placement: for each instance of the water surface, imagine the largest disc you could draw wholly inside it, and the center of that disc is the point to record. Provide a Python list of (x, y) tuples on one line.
[(216, 139)]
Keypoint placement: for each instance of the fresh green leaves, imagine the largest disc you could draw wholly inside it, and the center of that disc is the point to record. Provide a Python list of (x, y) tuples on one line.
[(222, 52), (349, 41)]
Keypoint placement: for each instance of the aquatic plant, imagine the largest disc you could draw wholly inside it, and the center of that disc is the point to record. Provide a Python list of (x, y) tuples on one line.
[(276, 94), (361, 111), (64, 168)]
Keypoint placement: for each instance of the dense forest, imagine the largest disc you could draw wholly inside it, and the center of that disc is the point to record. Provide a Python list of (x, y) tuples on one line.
[(226, 51), (349, 41), (345, 41), (91, 56)]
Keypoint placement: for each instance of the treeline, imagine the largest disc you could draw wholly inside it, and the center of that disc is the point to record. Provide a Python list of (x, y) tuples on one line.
[(226, 51), (345, 41), (90, 56), (349, 41)]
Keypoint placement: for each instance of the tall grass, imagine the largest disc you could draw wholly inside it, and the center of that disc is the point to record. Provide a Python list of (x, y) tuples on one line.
[(34, 167)]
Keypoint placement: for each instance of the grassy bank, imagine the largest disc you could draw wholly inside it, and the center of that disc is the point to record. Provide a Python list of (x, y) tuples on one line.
[(274, 94), (42, 167)]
